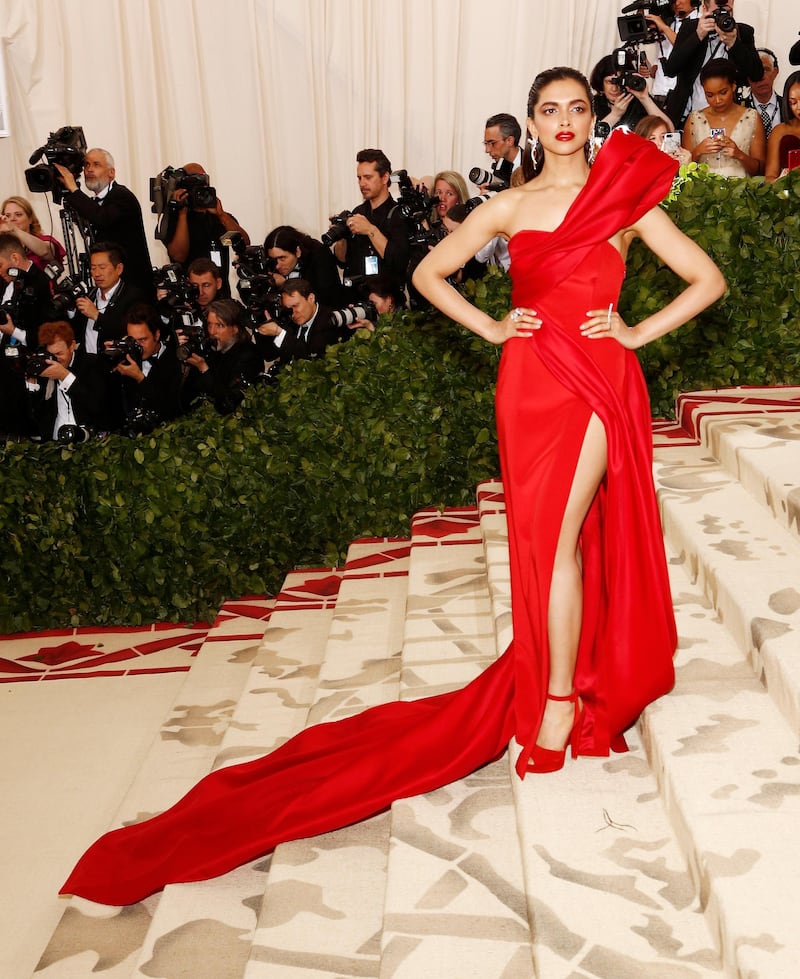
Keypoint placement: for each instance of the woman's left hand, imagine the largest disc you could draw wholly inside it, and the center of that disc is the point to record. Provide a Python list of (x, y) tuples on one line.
[(727, 147), (605, 324)]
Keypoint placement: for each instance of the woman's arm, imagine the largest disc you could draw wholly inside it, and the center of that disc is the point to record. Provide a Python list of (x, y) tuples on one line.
[(772, 168), (687, 260), (30, 242), (483, 224)]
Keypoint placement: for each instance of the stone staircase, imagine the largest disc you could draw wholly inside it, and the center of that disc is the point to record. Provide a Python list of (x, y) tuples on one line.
[(676, 860)]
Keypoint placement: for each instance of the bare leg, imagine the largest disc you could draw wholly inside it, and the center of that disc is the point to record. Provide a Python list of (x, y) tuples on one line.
[(566, 588)]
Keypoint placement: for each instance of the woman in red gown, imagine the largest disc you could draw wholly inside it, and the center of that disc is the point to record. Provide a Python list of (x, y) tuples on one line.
[(592, 616)]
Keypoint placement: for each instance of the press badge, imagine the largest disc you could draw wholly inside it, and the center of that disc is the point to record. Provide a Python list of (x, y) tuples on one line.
[(371, 265)]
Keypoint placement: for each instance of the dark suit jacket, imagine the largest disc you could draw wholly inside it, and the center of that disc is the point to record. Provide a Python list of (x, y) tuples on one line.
[(159, 392), (318, 267), (32, 307), (88, 395), (687, 58), (227, 375), (299, 343), (111, 322), (32, 302), (118, 218)]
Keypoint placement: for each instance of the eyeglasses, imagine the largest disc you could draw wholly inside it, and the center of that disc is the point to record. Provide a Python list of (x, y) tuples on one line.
[(488, 143)]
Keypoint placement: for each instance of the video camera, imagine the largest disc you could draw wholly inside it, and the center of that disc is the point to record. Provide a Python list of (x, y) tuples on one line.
[(199, 196), (415, 205), (67, 147)]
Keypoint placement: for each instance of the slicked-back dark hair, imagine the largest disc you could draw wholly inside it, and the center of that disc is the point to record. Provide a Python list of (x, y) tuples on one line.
[(531, 167)]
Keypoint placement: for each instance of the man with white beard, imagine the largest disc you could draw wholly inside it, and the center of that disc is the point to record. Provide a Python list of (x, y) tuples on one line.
[(112, 212)]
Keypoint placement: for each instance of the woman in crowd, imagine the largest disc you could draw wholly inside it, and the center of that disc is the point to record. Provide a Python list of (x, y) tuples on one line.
[(17, 216), (451, 188), (299, 256), (655, 129), (616, 106), (726, 136), (593, 628), (786, 136)]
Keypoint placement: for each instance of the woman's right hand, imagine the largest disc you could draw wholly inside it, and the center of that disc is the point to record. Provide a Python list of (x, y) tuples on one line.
[(711, 144), (518, 322), (620, 106)]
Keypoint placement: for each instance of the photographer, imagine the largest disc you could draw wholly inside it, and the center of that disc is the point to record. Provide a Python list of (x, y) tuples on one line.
[(667, 32), (113, 213), (376, 233), (100, 316), (195, 231), (147, 377), (68, 397), (229, 365), (714, 34), (501, 137), (311, 330), (298, 256), (621, 96), (25, 303)]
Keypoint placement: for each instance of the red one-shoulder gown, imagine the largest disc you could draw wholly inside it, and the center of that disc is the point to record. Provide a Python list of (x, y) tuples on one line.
[(334, 774)]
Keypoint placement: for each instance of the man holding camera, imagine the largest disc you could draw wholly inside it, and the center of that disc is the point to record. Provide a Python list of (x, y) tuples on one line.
[(24, 305), (714, 34), (763, 97), (146, 384), (311, 331), (112, 212), (231, 363), (377, 234), (101, 316), (501, 138), (196, 230), (68, 397)]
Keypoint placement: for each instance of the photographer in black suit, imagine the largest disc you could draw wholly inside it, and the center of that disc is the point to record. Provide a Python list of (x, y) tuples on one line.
[(68, 398), (195, 231), (100, 316), (25, 303), (311, 330), (714, 34), (146, 380), (229, 365), (112, 212)]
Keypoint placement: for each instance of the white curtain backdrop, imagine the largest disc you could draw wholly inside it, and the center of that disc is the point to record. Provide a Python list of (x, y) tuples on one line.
[(275, 98)]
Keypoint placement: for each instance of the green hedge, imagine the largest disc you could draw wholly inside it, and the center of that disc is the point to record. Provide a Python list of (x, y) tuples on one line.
[(165, 527), (750, 337)]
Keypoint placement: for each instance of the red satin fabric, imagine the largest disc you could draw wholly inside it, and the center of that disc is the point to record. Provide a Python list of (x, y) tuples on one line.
[(335, 774)]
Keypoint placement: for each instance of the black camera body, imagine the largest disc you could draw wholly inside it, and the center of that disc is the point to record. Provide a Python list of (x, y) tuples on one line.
[(67, 147), (723, 18), (338, 229), (67, 293), (627, 77), (196, 341), (118, 351), (36, 362)]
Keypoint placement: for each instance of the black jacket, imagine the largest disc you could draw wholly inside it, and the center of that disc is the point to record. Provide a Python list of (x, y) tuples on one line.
[(110, 323), (88, 394)]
